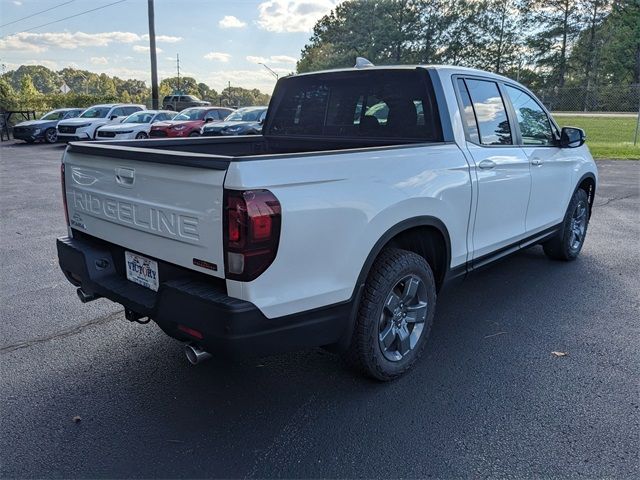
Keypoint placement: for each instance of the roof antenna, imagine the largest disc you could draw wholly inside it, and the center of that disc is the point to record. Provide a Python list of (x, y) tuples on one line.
[(362, 62)]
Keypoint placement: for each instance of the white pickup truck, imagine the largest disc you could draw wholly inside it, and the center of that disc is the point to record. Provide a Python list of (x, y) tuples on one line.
[(368, 190)]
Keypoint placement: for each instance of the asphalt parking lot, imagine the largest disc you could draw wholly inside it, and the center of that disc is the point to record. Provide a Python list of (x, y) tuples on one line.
[(488, 399)]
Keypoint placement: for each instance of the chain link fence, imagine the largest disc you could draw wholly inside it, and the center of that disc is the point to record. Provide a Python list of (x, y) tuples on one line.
[(611, 98)]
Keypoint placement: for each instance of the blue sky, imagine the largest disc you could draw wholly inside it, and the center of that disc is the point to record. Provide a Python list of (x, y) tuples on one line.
[(218, 40)]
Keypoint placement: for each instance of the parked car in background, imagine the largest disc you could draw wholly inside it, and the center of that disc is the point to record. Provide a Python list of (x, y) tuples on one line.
[(45, 128), (136, 125), (84, 127), (180, 102), (244, 121), (188, 122)]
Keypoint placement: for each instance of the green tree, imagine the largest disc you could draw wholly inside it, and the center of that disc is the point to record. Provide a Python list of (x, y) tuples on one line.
[(30, 97), (557, 23), (383, 31), (188, 85), (8, 98)]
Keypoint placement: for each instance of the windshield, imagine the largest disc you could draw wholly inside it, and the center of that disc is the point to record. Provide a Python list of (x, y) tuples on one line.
[(191, 114), (95, 112), (245, 115), (54, 115), (139, 117)]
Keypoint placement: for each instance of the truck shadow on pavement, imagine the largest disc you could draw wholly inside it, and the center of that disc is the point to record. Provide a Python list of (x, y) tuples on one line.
[(487, 378)]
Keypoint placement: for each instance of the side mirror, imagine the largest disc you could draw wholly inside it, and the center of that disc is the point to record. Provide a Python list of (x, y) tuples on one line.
[(113, 117), (208, 119), (572, 137), (261, 122)]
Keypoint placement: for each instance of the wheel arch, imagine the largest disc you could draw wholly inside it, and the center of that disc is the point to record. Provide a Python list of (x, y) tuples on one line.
[(587, 183), (425, 235)]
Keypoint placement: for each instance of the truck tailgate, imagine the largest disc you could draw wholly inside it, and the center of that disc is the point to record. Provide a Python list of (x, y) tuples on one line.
[(168, 212)]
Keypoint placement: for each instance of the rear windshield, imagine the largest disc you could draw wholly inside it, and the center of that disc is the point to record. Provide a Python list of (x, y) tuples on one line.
[(375, 103)]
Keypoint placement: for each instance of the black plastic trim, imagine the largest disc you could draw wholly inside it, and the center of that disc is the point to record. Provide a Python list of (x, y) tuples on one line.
[(231, 327), (512, 248)]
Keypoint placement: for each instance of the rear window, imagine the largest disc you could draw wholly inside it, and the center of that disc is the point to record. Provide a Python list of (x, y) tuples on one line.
[(376, 103)]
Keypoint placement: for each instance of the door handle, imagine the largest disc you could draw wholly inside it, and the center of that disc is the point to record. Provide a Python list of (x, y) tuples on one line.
[(125, 176), (486, 164), (537, 162)]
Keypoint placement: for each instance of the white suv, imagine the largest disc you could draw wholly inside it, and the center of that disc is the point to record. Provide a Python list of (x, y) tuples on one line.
[(84, 127), (135, 126)]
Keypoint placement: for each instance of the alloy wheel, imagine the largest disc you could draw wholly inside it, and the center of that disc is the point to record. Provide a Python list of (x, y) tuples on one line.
[(578, 225), (403, 316)]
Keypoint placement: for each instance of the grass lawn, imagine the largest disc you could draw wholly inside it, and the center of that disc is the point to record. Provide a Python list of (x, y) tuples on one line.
[(607, 137)]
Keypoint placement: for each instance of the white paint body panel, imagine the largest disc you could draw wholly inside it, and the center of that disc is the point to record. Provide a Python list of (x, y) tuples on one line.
[(169, 212)]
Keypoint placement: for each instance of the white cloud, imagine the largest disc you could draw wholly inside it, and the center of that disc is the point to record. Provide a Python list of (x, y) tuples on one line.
[(218, 56), (292, 15), (163, 38), (283, 59), (273, 59), (17, 2), (40, 42), (229, 21), (99, 60), (144, 49)]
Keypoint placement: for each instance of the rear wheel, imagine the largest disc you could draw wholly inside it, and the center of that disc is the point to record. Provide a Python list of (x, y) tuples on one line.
[(141, 135), (394, 316), (569, 241), (194, 134), (51, 135)]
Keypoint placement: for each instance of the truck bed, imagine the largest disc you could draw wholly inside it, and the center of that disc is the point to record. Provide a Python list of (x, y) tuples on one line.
[(217, 152)]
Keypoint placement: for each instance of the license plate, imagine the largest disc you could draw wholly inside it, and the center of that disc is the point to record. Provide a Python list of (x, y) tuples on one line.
[(142, 270)]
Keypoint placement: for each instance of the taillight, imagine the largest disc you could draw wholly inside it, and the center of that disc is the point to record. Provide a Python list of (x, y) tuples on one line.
[(251, 232), (64, 194)]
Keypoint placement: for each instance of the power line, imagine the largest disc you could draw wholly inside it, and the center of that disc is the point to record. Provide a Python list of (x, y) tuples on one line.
[(70, 16), (37, 13)]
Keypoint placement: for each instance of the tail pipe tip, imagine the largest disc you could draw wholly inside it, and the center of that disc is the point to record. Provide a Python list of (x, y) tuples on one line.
[(195, 354)]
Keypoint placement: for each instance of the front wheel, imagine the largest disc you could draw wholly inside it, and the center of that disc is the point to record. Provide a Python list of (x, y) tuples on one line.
[(569, 241), (394, 316), (51, 135), (141, 136)]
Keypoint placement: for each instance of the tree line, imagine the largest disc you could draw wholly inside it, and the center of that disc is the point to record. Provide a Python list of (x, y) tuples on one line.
[(36, 87), (542, 43)]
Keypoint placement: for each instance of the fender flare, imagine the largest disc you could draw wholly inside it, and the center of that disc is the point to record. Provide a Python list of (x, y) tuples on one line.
[(421, 221), (591, 194)]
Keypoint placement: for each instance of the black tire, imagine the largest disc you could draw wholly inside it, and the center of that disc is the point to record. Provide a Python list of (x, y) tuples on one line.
[(366, 352), (50, 135), (169, 107), (194, 134), (568, 243), (141, 136)]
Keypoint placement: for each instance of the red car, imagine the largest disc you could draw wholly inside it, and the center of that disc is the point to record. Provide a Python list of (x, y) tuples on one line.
[(188, 122)]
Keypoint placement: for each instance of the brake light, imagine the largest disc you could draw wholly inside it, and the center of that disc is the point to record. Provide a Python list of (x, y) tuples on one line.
[(64, 193), (252, 221)]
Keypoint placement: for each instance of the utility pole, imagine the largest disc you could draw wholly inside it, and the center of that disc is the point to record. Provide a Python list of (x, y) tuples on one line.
[(152, 52), (178, 67)]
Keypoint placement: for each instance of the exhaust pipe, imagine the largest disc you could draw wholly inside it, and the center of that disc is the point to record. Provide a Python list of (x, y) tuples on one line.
[(86, 297), (195, 354)]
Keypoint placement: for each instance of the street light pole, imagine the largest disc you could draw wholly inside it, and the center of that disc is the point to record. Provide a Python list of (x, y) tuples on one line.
[(152, 52), (270, 70)]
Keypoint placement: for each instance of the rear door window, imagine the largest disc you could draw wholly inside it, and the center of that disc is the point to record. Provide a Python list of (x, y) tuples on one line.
[(376, 103), (490, 112)]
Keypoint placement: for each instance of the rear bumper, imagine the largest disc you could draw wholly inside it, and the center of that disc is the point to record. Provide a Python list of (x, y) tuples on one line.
[(230, 327)]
